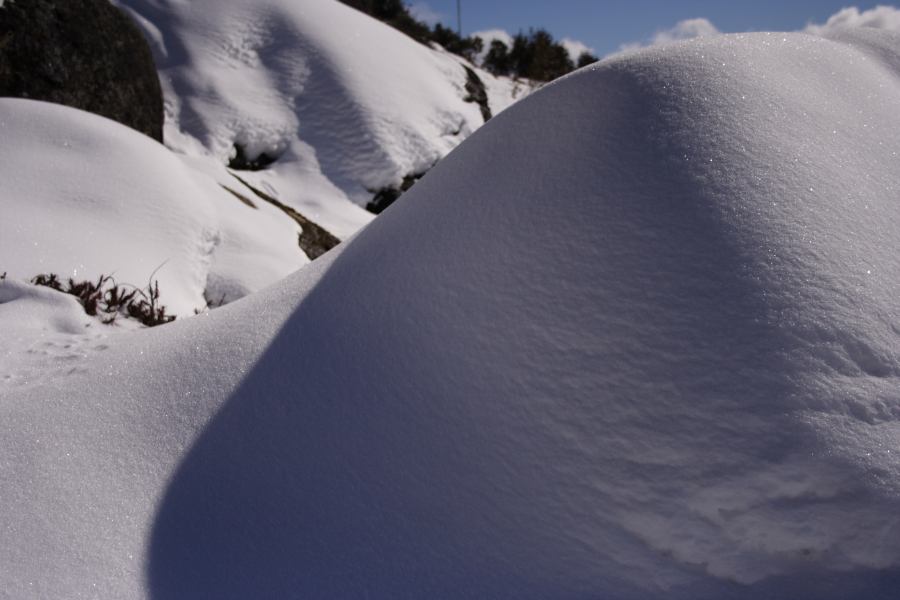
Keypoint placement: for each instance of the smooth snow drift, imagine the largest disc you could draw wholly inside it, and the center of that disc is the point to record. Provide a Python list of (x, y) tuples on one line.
[(636, 338), (84, 196)]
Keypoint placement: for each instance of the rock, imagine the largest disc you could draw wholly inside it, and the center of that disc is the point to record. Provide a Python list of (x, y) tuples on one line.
[(242, 161), (388, 195), (477, 93), (82, 53)]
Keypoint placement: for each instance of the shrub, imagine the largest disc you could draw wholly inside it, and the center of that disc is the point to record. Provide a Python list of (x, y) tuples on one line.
[(107, 299)]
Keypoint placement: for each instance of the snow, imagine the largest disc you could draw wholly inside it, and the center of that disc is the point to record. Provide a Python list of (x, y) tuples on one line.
[(44, 334), (84, 196), (633, 339), (346, 114)]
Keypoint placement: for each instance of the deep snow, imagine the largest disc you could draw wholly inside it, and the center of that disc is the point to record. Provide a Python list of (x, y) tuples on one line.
[(635, 338), (348, 104), (84, 196), (265, 75)]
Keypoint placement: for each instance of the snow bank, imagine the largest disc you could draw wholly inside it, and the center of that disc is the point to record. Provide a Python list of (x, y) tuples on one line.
[(634, 339), (45, 334), (83, 196), (348, 104)]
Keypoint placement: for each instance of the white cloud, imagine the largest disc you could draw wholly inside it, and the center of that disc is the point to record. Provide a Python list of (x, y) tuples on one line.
[(422, 12), (683, 30), (575, 48), (686, 30), (489, 35), (880, 17)]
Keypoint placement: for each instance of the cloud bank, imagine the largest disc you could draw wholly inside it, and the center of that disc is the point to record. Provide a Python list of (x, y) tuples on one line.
[(880, 17), (683, 30), (575, 48)]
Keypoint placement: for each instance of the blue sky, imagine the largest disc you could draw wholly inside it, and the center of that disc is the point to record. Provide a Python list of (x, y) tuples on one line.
[(606, 25)]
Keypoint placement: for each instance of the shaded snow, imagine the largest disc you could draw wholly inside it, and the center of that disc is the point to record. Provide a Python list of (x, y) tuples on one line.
[(634, 339), (346, 114), (45, 335)]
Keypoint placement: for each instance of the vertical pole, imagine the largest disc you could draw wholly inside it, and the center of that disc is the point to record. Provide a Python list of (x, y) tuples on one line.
[(459, 17)]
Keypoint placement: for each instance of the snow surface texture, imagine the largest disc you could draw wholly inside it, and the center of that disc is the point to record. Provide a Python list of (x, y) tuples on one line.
[(83, 196), (636, 338), (346, 103), (45, 334)]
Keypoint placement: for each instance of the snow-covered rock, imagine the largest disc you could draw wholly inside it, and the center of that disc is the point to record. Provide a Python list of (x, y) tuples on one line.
[(347, 104), (83, 196), (636, 338), (376, 104)]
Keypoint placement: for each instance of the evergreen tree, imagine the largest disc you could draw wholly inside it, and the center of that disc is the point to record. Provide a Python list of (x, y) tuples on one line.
[(585, 59), (497, 59), (549, 59), (536, 56), (468, 47)]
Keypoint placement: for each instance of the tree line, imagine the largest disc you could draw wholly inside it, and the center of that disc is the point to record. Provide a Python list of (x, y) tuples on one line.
[(534, 55)]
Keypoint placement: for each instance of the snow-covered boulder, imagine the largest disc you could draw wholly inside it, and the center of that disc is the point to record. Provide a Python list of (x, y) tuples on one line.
[(84, 196), (636, 338)]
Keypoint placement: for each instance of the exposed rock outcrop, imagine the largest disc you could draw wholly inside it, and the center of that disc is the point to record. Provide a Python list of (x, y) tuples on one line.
[(82, 53), (477, 93)]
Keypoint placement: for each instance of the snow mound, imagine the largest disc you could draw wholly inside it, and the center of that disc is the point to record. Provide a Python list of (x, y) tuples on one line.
[(83, 196), (634, 339), (347, 104)]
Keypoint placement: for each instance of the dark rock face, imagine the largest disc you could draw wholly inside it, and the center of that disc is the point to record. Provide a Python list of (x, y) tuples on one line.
[(388, 195), (81, 53), (314, 239), (241, 161), (477, 93)]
